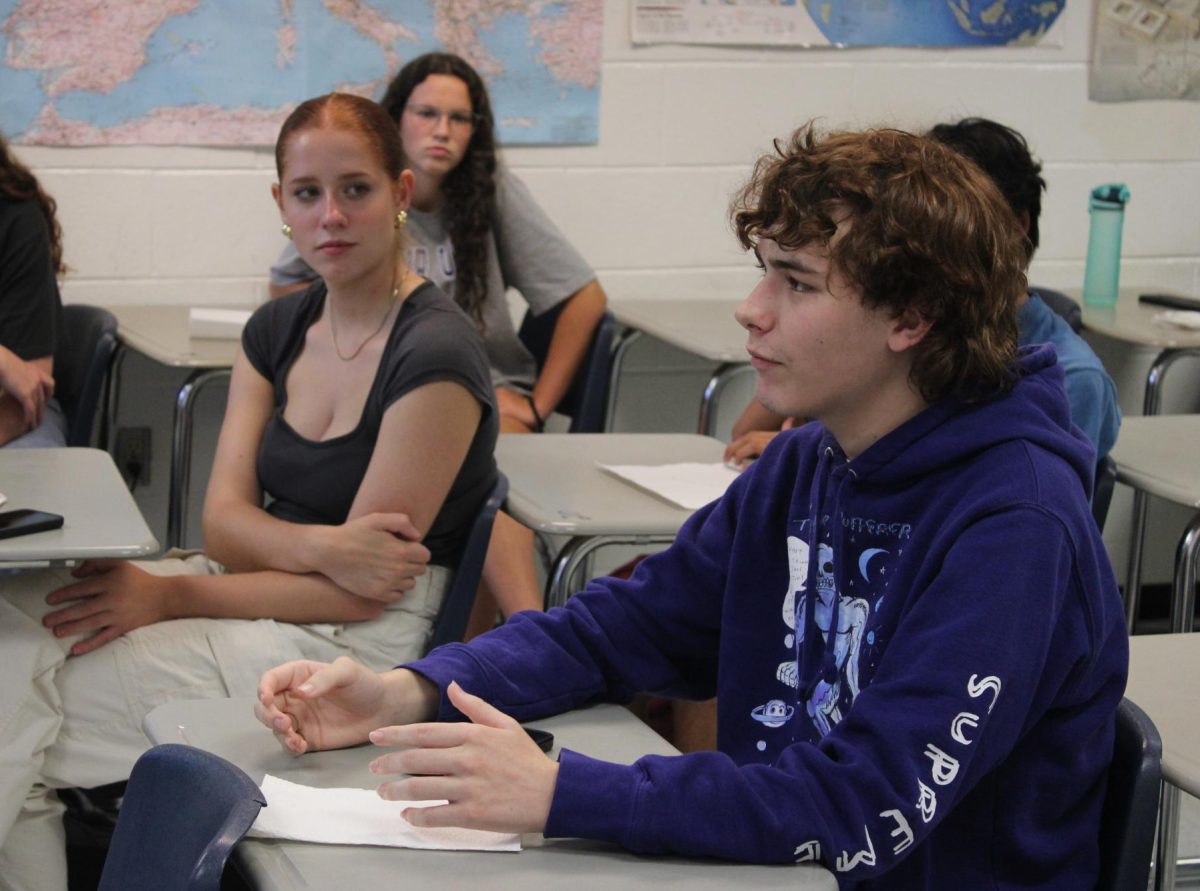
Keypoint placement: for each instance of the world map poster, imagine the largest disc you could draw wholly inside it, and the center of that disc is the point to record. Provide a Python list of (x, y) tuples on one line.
[(848, 22), (227, 72)]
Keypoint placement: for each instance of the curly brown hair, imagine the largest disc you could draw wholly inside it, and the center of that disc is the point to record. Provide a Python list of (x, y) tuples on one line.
[(17, 183), (470, 188), (927, 231)]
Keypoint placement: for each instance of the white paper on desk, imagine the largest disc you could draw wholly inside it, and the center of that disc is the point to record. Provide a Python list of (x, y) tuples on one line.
[(217, 324), (360, 817), (1179, 318), (689, 485)]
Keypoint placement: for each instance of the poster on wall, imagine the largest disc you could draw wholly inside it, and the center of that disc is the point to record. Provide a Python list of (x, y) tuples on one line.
[(227, 72), (845, 23), (1145, 49)]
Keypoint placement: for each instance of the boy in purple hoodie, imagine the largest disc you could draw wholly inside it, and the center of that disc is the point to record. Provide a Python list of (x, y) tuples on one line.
[(905, 609)]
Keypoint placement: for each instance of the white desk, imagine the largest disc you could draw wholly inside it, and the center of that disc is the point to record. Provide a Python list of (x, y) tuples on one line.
[(100, 518), (1133, 322), (161, 333), (1164, 679), (555, 487), (227, 727), (705, 328)]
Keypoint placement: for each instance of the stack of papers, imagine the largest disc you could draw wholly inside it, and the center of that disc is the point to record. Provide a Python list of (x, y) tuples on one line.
[(360, 817), (688, 485), (218, 324)]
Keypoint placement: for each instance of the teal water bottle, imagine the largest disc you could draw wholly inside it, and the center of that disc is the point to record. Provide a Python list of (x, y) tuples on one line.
[(1103, 273)]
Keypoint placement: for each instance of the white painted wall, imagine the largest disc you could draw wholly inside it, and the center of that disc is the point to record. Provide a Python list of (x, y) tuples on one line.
[(680, 128)]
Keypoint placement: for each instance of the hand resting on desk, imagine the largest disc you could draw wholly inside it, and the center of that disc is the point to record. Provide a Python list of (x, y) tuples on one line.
[(491, 773)]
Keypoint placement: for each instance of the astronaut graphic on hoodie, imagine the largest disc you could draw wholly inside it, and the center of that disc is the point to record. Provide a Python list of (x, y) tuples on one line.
[(851, 616)]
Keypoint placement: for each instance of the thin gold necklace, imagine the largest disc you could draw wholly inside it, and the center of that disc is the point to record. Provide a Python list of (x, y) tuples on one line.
[(370, 337)]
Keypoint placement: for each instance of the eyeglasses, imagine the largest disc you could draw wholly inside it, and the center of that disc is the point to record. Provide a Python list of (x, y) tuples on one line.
[(430, 117)]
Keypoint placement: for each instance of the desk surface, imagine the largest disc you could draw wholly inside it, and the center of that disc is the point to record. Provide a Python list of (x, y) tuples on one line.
[(1164, 679), (162, 333), (227, 727), (704, 327), (1132, 321), (100, 518), (555, 485), (1157, 455)]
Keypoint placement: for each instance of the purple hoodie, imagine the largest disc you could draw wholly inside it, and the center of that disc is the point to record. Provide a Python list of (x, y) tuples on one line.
[(918, 655)]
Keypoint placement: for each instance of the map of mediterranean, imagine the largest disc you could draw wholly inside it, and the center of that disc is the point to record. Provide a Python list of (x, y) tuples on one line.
[(227, 72)]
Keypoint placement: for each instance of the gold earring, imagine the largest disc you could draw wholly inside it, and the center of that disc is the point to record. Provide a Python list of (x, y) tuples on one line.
[(401, 218), (286, 230)]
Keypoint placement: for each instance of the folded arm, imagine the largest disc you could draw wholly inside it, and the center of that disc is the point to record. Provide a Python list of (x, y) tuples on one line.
[(375, 552)]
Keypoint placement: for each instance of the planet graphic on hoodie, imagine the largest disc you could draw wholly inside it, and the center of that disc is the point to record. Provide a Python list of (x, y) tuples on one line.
[(775, 713)]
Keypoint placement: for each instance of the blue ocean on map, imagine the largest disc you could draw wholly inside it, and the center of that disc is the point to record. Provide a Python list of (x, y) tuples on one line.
[(224, 54), (934, 22)]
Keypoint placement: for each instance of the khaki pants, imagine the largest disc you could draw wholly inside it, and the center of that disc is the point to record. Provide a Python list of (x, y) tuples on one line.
[(77, 721)]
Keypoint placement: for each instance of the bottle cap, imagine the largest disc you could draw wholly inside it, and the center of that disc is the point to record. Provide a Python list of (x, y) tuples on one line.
[(1112, 196)]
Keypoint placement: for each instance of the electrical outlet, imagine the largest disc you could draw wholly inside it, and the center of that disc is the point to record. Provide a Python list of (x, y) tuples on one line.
[(132, 455)]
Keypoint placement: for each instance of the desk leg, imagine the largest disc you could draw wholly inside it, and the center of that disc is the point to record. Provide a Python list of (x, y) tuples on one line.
[(720, 379), (1183, 594), (181, 451), (1167, 849), (1151, 403), (1133, 567), (627, 339), (576, 551)]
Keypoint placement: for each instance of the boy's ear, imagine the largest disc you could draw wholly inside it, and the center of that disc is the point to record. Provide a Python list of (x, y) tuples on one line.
[(908, 329)]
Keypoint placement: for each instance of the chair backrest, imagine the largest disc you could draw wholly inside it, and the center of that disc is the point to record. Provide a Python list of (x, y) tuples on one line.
[(1102, 489), (451, 623), (183, 812), (81, 367), (585, 401), (1130, 802), (1062, 305)]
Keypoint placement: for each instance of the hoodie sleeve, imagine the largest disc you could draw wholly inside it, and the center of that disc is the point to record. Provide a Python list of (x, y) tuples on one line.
[(998, 632), (657, 631)]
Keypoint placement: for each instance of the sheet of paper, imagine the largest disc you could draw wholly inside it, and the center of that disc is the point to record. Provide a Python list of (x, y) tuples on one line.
[(217, 324), (360, 817), (688, 485), (1179, 318)]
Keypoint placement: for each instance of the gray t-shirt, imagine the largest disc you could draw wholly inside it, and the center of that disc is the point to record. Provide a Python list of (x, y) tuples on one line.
[(526, 251)]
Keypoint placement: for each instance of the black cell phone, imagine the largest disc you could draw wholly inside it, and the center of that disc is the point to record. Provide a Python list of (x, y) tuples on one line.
[(26, 522), (544, 738)]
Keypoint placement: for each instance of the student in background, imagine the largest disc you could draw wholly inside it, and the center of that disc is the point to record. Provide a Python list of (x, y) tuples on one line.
[(1003, 155), (475, 231), (905, 606), (30, 309), (363, 408)]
